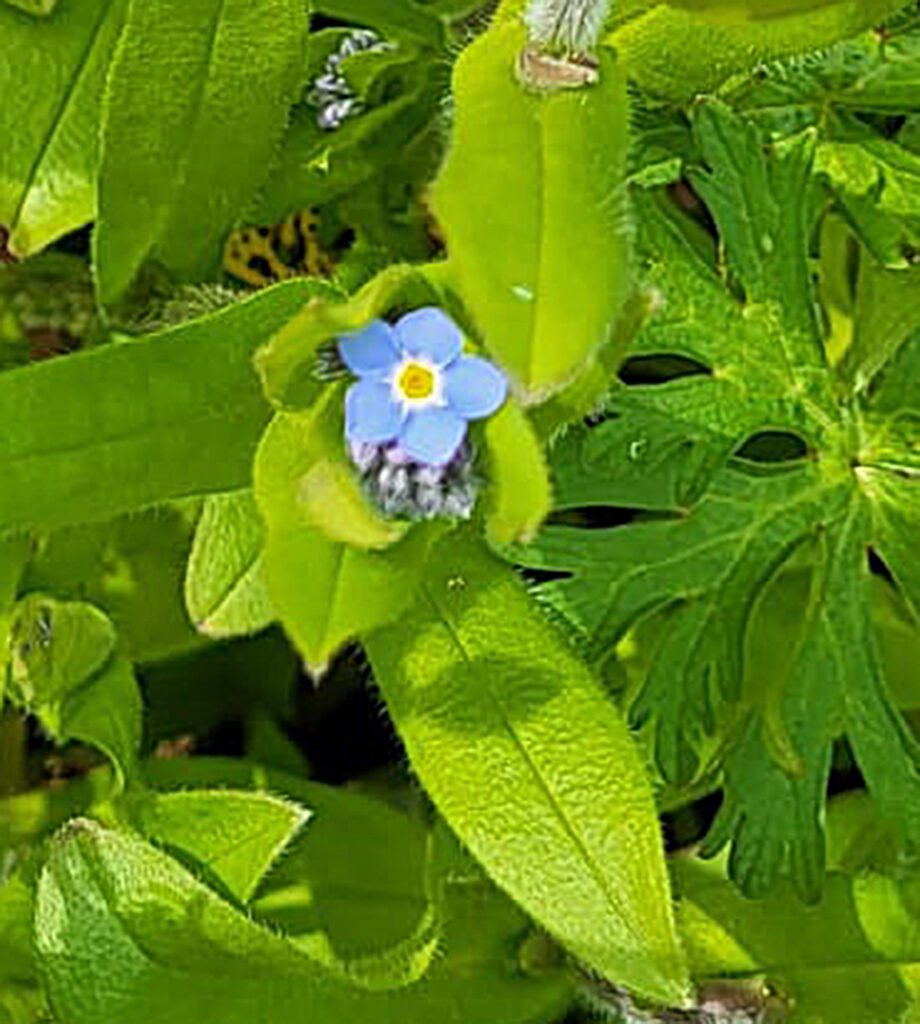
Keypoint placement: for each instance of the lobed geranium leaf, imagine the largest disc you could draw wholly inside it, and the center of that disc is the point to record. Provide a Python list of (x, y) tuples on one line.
[(50, 117), (703, 545), (532, 766), (178, 162)]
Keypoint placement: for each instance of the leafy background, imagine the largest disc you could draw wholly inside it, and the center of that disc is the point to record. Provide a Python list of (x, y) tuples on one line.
[(452, 819)]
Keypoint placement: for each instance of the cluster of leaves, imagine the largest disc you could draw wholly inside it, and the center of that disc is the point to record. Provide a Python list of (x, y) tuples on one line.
[(173, 493)]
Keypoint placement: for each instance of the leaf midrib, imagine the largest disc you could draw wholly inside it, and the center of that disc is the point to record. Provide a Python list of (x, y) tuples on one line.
[(62, 108), (557, 808)]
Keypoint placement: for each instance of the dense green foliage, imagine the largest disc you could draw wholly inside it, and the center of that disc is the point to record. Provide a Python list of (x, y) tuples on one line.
[(616, 717)]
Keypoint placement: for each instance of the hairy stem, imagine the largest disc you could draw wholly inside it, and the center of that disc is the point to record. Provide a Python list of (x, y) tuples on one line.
[(568, 26)]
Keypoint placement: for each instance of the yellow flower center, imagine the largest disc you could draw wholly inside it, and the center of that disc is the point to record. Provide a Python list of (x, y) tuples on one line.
[(416, 381)]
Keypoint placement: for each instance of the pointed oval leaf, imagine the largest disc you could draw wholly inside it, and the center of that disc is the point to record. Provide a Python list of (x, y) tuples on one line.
[(533, 767), (235, 836)]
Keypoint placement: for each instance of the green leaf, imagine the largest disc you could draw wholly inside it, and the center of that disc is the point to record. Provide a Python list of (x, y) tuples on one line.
[(877, 183), (539, 244), (287, 364), (362, 875), (180, 160), (75, 448), (40, 8), (52, 74), (676, 54), (130, 568), (767, 246), (108, 902), (16, 912), (887, 315), (702, 551), (532, 767), (391, 17), (15, 553), (234, 837), (519, 495), (324, 590), (65, 670), (225, 590), (853, 956)]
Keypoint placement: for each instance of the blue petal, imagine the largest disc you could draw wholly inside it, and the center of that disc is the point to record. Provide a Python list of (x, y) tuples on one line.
[(430, 332), (475, 387), (371, 415), (371, 351), (432, 435)]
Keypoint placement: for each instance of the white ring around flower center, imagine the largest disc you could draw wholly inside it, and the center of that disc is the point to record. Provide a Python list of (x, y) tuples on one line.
[(403, 371)]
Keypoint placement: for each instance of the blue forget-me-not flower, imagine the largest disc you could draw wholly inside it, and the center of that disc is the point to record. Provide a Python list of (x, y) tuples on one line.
[(416, 389)]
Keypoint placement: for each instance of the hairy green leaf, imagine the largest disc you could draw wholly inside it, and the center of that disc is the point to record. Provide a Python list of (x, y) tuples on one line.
[(677, 53), (532, 766), (52, 74), (324, 589), (234, 837), (539, 244), (138, 423), (66, 671), (178, 161), (225, 590), (111, 906)]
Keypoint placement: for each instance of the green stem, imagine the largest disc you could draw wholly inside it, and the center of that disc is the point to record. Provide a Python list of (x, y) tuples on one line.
[(12, 753)]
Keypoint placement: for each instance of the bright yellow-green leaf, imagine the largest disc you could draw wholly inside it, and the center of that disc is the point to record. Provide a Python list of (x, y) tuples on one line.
[(532, 766), (678, 53), (518, 477), (52, 74), (538, 243)]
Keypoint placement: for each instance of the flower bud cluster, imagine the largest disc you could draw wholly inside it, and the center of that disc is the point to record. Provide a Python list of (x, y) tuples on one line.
[(330, 93), (403, 489)]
